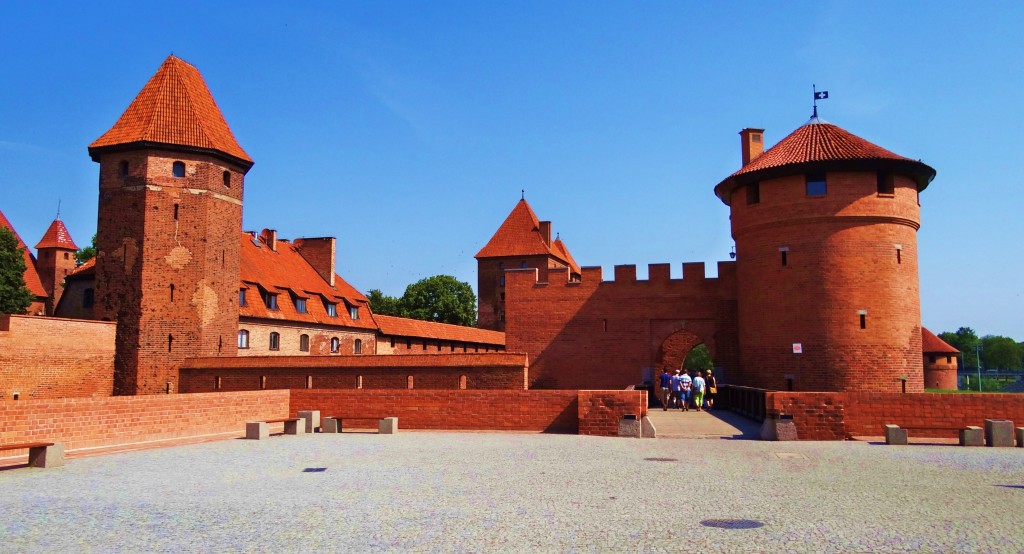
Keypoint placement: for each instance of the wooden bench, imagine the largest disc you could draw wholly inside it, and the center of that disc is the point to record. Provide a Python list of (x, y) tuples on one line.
[(259, 430), (40, 454), (969, 435), (385, 425)]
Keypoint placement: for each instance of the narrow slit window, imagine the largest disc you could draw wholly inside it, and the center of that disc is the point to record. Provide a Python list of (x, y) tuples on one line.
[(122, 169), (170, 342), (409, 382), (175, 212), (172, 292), (359, 381), (462, 382), (217, 383), (899, 254), (753, 193), (784, 256), (227, 179), (863, 315), (263, 382), (309, 381)]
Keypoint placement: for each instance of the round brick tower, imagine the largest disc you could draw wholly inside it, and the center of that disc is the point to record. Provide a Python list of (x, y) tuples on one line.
[(825, 225)]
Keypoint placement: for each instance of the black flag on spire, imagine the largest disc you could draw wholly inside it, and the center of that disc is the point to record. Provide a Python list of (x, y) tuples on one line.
[(821, 95)]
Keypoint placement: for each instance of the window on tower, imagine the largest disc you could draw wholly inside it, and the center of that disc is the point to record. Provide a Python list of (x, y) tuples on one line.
[(179, 169), (816, 184), (753, 193), (122, 168), (886, 184), (227, 179)]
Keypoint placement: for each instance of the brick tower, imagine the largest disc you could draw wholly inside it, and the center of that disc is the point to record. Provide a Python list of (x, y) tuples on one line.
[(825, 225), (56, 258), (521, 242), (170, 216)]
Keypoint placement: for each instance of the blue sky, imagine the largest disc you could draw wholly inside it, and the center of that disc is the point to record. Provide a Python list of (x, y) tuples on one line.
[(408, 129)]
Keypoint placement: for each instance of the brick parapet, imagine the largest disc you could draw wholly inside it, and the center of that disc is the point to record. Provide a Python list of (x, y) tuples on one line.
[(53, 357), (599, 411)]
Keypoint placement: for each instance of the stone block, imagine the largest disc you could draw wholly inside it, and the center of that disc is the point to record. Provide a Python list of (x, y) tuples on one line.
[(257, 430), (629, 426), (972, 436), (647, 429), (330, 425), (998, 432), (895, 436), (388, 426), (46, 456), (779, 428), (295, 427), (312, 418), (1020, 437)]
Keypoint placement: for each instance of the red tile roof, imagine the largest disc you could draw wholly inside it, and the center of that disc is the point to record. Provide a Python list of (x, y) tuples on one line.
[(404, 327), (174, 108), (32, 281), (519, 235), (87, 269), (57, 236), (286, 273), (822, 145), (562, 252), (931, 344)]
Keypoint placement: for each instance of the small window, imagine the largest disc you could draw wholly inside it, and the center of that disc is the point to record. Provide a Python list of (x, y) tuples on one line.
[(357, 347), (353, 312), (304, 343), (784, 252), (931, 358), (522, 265), (408, 344), (300, 305), (816, 184), (359, 381), (755, 137), (501, 316), (309, 381), (392, 342), (67, 256), (275, 341), (179, 169), (462, 382), (899, 254), (243, 338), (949, 359), (241, 298), (409, 382), (332, 309), (753, 193), (335, 345), (863, 315), (175, 212), (227, 179), (501, 265), (217, 383), (501, 281), (122, 169), (87, 298), (886, 183), (270, 300), (170, 342), (172, 292)]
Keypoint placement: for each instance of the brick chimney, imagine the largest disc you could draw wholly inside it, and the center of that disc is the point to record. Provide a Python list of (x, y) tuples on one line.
[(545, 232), (269, 236), (320, 253), (752, 143)]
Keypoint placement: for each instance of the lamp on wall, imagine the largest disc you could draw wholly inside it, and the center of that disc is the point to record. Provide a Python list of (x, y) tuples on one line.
[(732, 254)]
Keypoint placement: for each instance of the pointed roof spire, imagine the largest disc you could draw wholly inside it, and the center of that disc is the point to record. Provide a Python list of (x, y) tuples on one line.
[(175, 108), (520, 235), (57, 236)]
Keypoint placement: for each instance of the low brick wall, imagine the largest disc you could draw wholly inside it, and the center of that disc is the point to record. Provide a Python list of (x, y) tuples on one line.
[(88, 422), (483, 371), (839, 415), (47, 357), (600, 410)]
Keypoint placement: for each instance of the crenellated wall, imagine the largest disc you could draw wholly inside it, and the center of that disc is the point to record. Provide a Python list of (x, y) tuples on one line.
[(597, 334)]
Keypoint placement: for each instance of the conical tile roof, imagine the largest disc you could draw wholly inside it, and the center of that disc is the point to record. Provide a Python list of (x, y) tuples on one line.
[(819, 146), (57, 236), (175, 108), (519, 235)]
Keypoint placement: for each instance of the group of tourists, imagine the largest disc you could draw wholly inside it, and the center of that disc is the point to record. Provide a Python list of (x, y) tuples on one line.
[(681, 391)]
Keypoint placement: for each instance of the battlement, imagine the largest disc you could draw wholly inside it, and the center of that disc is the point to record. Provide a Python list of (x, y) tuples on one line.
[(657, 274)]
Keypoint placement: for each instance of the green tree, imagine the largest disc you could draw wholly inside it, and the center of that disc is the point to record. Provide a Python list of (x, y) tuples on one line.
[(385, 305), (698, 358), (1000, 352), (15, 297), (440, 298), (89, 252), (964, 340)]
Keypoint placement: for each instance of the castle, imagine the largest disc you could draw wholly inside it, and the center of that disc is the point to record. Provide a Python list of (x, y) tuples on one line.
[(823, 295)]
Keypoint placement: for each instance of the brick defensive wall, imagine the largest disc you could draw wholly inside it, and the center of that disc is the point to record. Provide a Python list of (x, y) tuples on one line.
[(54, 358), (597, 334)]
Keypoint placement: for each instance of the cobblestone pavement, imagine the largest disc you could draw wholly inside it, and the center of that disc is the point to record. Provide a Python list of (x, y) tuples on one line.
[(473, 492)]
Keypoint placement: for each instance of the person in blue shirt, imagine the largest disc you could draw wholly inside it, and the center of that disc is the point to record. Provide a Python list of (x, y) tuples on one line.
[(664, 388)]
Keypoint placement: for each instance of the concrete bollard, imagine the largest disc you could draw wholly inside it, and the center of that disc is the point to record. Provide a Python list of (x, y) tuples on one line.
[(388, 426), (629, 426), (330, 425), (312, 418), (295, 427), (998, 432), (972, 436), (257, 430), (647, 429), (895, 436), (46, 456)]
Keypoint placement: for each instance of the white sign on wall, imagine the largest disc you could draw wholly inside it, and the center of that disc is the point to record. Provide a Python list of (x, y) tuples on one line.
[(798, 348)]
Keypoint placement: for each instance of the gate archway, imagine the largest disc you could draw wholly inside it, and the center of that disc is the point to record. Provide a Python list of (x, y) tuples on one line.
[(673, 350)]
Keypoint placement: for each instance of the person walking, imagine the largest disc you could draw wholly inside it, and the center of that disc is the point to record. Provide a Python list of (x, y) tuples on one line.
[(698, 391), (684, 390), (712, 383), (676, 383), (664, 388)]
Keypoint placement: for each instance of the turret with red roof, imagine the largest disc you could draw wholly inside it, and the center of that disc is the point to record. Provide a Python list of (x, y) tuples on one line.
[(55, 260)]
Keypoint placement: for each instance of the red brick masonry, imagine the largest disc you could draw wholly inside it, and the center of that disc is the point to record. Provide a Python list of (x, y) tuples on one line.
[(45, 357), (837, 415)]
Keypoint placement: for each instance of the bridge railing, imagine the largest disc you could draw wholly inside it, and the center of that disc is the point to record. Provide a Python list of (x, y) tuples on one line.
[(746, 401)]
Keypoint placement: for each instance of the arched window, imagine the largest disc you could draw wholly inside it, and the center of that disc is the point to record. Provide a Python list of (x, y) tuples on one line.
[(335, 345), (178, 169), (227, 179), (358, 346), (243, 338), (275, 341), (462, 382), (304, 343), (409, 381)]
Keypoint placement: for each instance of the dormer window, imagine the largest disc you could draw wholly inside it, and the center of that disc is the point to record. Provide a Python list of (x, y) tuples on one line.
[(241, 298), (269, 300), (332, 309), (300, 305), (178, 169), (353, 312)]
